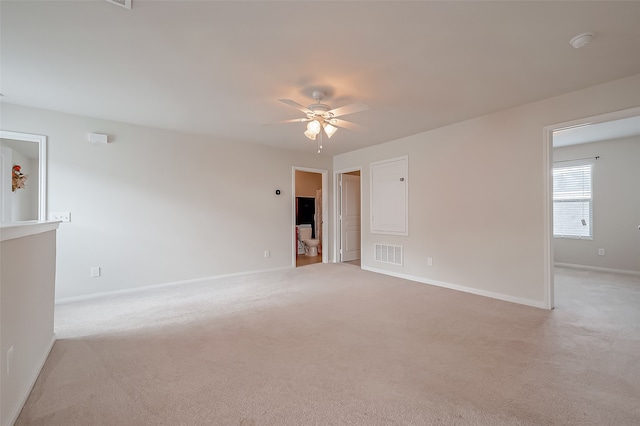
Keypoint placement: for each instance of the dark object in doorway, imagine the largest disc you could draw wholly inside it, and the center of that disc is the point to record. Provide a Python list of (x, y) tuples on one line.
[(305, 212)]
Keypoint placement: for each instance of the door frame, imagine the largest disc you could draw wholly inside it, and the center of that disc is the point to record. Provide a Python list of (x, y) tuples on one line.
[(548, 258), (337, 201), (41, 140), (325, 212)]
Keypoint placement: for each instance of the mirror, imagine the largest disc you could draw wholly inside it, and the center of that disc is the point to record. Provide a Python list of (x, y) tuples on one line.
[(23, 199)]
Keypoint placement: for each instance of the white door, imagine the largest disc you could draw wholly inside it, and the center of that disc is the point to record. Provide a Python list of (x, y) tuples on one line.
[(350, 217), (5, 184)]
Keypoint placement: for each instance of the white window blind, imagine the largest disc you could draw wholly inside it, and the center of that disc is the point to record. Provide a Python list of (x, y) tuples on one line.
[(572, 202)]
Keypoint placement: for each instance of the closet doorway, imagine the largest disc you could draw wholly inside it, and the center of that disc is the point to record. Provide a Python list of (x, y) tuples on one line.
[(349, 217)]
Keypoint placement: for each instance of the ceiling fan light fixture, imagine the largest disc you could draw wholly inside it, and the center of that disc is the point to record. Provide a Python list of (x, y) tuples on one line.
[(313, 127), (310, 135), (329, 129)]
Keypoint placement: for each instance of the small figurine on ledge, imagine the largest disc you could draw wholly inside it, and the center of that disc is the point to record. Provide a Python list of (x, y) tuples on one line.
[(17, 178)]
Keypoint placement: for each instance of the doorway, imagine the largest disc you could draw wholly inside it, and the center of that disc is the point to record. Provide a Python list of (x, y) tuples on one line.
[(309, 213), (27, 200), (349, 217), (599, 129)]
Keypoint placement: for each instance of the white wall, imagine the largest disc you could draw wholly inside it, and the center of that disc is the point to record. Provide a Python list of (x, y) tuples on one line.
[(616, 206), (476, 204), (155, 206), (6, 163)]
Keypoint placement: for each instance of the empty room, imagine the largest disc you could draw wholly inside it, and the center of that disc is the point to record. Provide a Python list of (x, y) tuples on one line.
[(319, 212)]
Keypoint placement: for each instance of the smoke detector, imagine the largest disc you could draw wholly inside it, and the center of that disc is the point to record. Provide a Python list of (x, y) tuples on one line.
[(581, 40), (122, 3)]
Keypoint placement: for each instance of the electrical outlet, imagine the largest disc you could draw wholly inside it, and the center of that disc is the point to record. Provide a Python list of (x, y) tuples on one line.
[(600, 252), (267, 253), (95, 272), (9, 359), (61, 216), (429, 261)]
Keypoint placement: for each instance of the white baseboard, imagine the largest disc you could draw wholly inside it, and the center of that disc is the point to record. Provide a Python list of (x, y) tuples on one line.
[(492, 295), (596, 268), (17, 408), (158, 286)]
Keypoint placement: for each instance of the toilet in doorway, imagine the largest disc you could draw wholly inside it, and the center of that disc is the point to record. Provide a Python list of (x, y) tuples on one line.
[(310, 244)]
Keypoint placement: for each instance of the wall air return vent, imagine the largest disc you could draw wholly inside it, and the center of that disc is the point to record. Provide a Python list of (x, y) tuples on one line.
[(389, 254), (122, 3)]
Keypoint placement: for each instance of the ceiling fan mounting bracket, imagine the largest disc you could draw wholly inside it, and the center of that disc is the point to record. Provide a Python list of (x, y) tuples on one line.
[(318, 110), (318, 95)]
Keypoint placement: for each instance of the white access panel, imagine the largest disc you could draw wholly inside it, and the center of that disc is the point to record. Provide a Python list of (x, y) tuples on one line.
[(389, 196)]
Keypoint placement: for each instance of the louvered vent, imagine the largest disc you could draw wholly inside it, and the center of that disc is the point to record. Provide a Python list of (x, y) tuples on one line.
[(122, 3), (389, 254)]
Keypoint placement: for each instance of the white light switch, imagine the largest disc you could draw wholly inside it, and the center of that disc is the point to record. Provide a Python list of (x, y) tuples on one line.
[(61, 216), (95, 272)]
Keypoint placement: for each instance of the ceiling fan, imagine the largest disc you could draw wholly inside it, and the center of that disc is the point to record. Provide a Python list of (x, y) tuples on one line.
[(322, 119)]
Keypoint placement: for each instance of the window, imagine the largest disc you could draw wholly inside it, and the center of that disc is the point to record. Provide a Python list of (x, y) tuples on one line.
[(572, 202)]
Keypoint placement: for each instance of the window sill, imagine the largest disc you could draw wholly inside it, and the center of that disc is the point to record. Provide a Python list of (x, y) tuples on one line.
[(569, 237)]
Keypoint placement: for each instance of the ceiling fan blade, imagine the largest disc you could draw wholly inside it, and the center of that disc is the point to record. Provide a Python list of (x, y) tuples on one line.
[(347, 125), (348, 109), (293, 120), (296, 105), (296, 120)]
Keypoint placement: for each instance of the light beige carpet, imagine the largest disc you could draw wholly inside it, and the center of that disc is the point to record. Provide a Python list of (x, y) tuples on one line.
[(335, 345)]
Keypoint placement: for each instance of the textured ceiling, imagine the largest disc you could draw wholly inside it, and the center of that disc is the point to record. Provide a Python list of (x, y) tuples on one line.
[(219, 68)]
